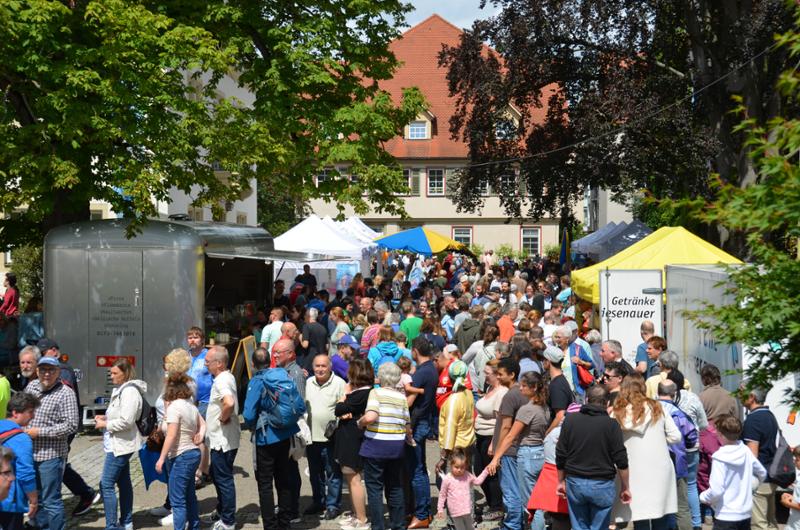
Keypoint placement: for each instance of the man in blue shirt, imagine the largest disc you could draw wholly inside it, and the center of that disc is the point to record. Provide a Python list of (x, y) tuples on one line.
[(759, 433), (272, 451), (198, 371), (427, 378)]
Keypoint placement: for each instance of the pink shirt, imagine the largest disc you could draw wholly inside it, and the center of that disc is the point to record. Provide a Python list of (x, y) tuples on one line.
[(456, 492)]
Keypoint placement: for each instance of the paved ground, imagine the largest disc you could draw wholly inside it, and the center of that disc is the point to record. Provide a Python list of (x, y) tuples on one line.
[(87, 458)]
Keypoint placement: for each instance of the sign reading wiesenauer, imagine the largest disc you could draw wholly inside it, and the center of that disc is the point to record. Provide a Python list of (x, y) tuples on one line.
[(624, 305)]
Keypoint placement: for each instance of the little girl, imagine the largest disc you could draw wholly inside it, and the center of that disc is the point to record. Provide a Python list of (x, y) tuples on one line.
[(404, 386), (456, 491), (792, 500)]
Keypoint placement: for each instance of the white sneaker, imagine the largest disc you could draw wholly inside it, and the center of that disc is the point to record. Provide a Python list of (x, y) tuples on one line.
[(129, 526), (347, 520), (160, 511), (357, 525), (219, 525), (166, 521)]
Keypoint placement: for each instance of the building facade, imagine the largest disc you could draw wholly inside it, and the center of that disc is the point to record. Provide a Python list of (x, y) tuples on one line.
[(430, 157)]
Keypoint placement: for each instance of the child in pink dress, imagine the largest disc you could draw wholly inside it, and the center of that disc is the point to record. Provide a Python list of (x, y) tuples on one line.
[(456, 491)]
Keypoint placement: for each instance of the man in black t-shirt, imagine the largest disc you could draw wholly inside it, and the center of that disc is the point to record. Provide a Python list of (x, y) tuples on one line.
[(560, 394), (760, 433)]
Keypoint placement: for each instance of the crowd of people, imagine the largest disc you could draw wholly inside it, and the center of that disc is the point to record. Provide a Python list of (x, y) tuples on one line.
[(494, 362)]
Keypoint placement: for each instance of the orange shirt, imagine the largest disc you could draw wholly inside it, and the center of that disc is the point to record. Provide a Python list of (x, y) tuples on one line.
[(506, 327)]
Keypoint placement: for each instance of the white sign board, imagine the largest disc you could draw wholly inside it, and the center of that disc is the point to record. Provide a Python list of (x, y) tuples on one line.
[(623, 306)]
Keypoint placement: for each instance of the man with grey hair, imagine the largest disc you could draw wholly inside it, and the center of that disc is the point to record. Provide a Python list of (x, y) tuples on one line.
[(382, 308), (611, 350), (549, 326), (574, 356), (314, 336), (760, 433), (222, 434), (28, 357), (323, 391), (668, 360), (506, 323)]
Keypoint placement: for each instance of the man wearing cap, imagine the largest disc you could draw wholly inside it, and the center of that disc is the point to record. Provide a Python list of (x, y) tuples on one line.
[(559, 394), (55, 421), (347, 346), (72, 480)]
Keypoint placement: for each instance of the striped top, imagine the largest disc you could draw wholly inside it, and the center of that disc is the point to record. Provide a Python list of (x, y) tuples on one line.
[(385, 437)]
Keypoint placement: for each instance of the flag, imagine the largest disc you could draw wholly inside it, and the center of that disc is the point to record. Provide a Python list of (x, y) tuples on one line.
[(565, 258)]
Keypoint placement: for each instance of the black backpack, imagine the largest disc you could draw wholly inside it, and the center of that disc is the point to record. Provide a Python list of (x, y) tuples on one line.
[(148, 419), (782, 469)]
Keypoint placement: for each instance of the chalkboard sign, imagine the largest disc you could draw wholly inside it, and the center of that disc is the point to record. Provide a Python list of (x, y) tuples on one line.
[(243, 360)]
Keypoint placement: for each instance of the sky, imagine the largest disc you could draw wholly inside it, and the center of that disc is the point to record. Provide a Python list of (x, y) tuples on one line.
[(459, 12)]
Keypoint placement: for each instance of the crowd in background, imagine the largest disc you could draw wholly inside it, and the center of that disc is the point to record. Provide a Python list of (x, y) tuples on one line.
[(493, 364)]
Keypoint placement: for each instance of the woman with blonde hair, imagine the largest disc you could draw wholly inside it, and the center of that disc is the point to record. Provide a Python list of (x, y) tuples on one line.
[(647, 432), (341, 328), (397, 284)]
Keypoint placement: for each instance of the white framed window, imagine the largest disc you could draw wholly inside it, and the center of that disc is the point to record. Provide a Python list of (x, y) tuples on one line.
[(508, 181), (531, 239), (95, 215), (505, 129), (323, 176), (462, 234), (241, 218), (483, 187), (7, 257), (418, 130), (435, 182)]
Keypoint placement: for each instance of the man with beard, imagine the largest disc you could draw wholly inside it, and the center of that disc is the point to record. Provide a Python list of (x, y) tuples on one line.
[(28, 358)]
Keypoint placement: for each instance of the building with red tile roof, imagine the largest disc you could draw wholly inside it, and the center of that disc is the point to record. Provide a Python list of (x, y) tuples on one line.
[(430, 156)]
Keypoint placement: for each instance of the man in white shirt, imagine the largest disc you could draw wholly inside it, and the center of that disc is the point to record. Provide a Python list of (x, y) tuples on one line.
[(222, 435), (323, 391), (272, 331)]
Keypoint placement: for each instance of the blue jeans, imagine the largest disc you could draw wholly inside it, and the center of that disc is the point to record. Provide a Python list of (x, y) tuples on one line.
[(693, 459), (222, 475), (418, 470), (117, 472), (380, 474), (325, 474), (49, 475), (590, 502), (510, 486), (182, 495), (652, 524), (530, 460)]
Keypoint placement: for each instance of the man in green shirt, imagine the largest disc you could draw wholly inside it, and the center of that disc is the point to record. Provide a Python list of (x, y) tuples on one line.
[(410, 326)]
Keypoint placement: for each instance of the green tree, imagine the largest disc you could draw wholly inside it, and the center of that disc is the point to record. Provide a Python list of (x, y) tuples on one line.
[(765, 313), (27, 264), (122, 101), (603, 70)]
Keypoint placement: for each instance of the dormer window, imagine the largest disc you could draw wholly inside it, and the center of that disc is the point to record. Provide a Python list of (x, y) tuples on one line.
[(418, 130)]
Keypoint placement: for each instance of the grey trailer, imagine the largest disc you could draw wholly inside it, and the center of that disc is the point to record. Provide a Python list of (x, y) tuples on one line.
[(107, 296)]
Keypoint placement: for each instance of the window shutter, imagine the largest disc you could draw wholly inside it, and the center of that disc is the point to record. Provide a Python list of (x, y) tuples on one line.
[(415, 182)]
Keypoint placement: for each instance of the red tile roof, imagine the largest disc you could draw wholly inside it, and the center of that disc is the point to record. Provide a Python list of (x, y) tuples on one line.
[(418, 50)]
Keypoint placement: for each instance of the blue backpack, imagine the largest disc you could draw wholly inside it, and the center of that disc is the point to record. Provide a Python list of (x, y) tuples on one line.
[(281, 403)]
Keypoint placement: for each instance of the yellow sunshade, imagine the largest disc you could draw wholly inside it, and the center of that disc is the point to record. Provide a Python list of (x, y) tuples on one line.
[(670, 245)]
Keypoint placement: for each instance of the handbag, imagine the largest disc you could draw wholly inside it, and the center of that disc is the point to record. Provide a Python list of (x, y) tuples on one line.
[(330, 428), (585, 377), (155, 442)]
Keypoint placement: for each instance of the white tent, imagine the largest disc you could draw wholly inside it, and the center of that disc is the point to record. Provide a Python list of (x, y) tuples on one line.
[(313, 235)]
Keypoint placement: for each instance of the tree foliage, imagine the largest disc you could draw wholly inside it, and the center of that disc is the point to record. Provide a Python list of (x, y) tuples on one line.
[(765, 313), (621, 74), (121, 101), (27, 263)]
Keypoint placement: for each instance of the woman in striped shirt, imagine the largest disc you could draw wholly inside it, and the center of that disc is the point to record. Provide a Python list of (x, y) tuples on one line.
[(387, 423)]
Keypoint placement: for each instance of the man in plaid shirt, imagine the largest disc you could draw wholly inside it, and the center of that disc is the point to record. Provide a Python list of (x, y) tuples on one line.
[(56, 419)]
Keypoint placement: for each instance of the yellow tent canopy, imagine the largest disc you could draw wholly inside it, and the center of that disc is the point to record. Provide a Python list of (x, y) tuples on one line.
[(670, 245)]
